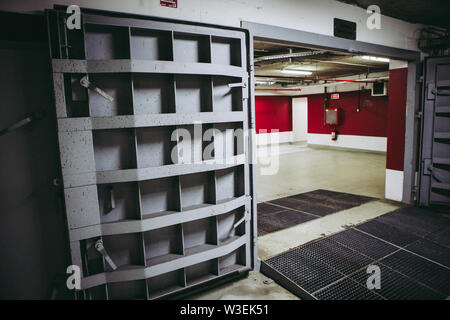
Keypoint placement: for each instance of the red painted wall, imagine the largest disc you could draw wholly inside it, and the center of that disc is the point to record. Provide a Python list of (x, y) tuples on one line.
[(371, 120), (397, 116), (273, 112)]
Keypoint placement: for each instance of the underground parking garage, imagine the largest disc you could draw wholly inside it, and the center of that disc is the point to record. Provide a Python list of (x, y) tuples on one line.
[(172, 150)]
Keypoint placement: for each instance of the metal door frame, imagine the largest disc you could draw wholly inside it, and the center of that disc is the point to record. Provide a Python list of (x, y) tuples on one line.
[(282, 35)]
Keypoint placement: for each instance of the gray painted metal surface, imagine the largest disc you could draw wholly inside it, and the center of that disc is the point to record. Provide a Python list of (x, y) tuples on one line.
[(412, 125), (167, 224), (434, 187), (286, 35)]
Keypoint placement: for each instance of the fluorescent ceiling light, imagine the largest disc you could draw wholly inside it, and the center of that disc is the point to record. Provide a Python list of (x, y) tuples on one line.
[(298, 72), (301, 68), (269, 83), (378, 59)]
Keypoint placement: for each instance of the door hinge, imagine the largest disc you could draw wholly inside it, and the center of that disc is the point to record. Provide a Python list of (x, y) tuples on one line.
[(101, 249), (419, 115), (430, 91), (427, 167), (88, 85), (242, 84)]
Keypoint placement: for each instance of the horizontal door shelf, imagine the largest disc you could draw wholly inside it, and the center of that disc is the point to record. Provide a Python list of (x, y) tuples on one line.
[(442, 135), (443, 110), (440, 185), (140, 273), (158, 221), (441, 160), (147, 120), (141, 174), (145, 66)]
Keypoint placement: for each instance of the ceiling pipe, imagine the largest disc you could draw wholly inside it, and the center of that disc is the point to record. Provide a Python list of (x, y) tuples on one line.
[(289, 55), (348, 80), (327, 84), (276, 89), (293, 80), (362, 65)]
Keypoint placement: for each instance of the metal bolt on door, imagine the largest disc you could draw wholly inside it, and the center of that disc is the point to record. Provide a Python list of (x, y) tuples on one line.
[(434, 185), (143, 224)]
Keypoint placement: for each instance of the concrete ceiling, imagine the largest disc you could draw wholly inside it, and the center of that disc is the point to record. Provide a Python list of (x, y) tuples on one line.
[(272, 60), (431, 12)]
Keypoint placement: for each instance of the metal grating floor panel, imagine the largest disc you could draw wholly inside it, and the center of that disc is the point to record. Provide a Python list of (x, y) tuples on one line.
[(305, 206), (279, 220), (338, 257), (442, 236), (306, 272), (309, 205), (395, 286), (363, 243), (387, 232), (431, 250), (412, 267), (332, 198), (410, 223), (346, 289), (420, 270), (267, 208)]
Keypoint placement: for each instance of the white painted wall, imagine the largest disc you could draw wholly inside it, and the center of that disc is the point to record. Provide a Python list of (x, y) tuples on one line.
[(307, 15), (300, 119), (263, 139), (394, 185), (349, 141)]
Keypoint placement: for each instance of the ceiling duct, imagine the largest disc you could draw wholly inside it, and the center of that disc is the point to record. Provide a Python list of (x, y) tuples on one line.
[(434, 41), (289, 55)]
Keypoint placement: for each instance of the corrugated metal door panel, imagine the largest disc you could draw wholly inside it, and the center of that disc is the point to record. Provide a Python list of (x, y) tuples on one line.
[(152, 118), (435, 149)]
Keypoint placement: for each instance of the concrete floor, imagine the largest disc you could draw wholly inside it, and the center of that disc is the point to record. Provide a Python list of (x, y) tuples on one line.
[(303, 169)]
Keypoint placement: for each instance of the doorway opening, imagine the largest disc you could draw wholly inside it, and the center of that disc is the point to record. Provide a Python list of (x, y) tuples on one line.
[(326, 111), (325, 117)]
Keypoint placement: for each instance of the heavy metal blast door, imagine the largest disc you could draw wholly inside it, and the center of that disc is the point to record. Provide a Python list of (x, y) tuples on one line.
[(156, 170)]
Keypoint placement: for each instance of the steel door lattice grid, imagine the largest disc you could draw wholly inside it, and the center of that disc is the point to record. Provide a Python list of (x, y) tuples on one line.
[(142, 224)]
